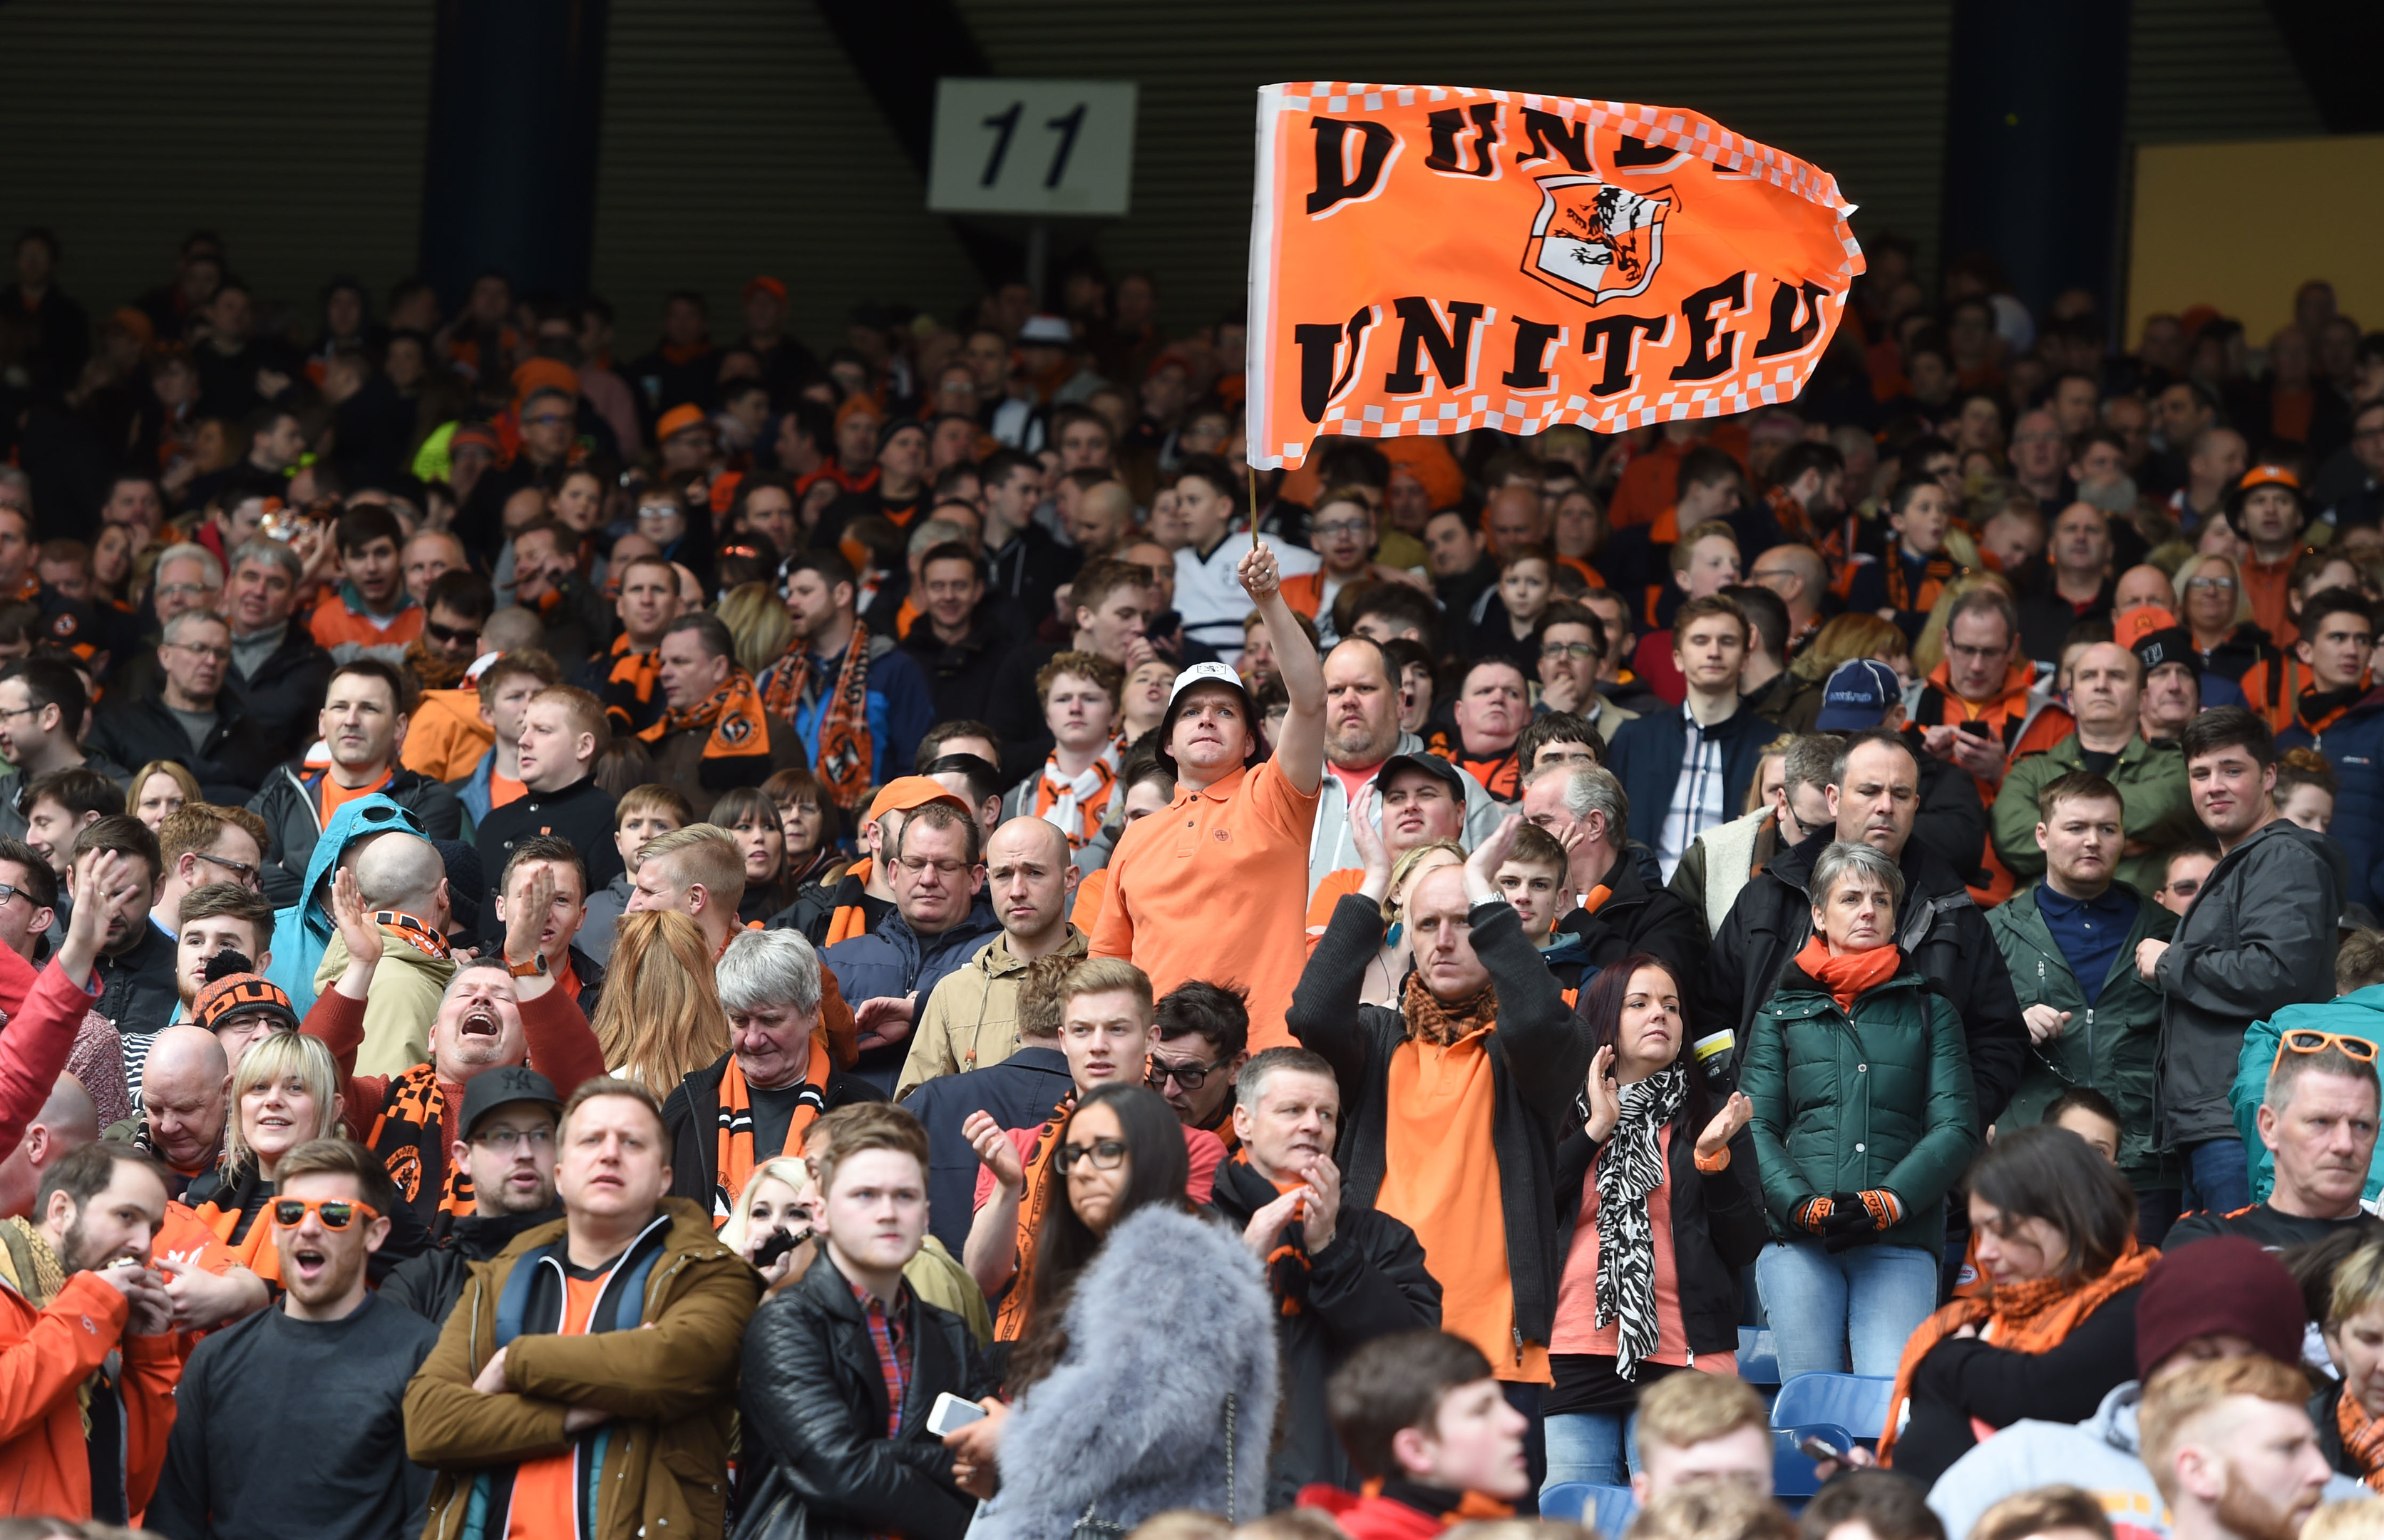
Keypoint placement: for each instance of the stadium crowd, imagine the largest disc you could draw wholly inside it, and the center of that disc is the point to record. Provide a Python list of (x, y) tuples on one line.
[(892, 941)]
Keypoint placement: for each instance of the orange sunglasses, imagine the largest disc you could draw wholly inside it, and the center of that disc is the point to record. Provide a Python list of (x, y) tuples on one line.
[(2310, 1040), (337, 1214)]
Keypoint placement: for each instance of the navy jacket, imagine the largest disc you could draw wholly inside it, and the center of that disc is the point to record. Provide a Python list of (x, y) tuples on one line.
[(1646, 757), (1019, 1091), (2354, 746), (895, 960)]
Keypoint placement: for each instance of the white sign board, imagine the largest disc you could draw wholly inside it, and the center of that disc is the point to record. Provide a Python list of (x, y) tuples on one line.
[(1032, 147)]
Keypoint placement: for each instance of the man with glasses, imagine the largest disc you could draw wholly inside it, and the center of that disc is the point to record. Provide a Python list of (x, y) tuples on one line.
[(369, 615), (199, 845), (1571, 644), (277, 673), (940, 921), (186, 577), (508, 1145), (43, 705), (186, 717), (1109, 1023), (1204, 1040), (2317, 1120), (331, 1360)]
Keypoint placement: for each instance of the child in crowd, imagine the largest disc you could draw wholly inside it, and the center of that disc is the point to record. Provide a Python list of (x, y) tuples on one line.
[(645, 813), (1905, 587)]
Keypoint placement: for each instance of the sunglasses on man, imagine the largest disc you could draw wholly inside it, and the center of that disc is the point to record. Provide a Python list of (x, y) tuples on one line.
[(337, 1214)]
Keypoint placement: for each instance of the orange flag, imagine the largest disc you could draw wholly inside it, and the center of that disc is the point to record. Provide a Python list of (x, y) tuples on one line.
[(1431, 259)]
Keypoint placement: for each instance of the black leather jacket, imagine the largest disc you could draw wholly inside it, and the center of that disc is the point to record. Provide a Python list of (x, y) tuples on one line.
[(814, 1403)]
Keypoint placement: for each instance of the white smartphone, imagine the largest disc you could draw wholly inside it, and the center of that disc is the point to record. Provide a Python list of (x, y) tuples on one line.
[(951, 1413)]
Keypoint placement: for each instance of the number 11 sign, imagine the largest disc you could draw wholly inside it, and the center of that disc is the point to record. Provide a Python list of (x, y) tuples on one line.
[(1032, 147)]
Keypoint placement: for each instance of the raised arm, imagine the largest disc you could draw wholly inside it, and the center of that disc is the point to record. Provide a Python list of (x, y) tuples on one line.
[(41, 1036), (1299, 750)]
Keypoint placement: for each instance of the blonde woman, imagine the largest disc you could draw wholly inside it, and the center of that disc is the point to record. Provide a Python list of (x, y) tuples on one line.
[(285, 1093), (157, 788), (2213, 604), (660, 1019), (777, 1198), (758, 621)]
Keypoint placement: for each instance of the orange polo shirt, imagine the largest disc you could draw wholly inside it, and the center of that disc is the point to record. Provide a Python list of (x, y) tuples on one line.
[(2269, 587), (1216, 887)]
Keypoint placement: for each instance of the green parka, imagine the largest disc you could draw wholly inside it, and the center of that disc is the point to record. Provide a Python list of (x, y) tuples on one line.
[(1880, 1099), (2158, 809), (2112, 1045)]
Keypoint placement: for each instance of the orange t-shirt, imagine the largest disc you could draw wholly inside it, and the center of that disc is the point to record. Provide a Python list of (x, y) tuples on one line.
[(333, 796), (2269, 587), (1442, 1180), (333, 624), (1329, 893), (503, 790), (1092, 892), (545, 1504), (1216, 887)]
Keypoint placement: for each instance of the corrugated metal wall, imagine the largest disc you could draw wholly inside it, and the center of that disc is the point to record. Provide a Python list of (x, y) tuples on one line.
[(737, 140), (2212, 70), (294, 129), (1856, 86)]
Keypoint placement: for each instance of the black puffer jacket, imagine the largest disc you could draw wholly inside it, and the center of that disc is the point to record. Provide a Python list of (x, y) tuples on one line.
[(1945, 936), (813, 1402)]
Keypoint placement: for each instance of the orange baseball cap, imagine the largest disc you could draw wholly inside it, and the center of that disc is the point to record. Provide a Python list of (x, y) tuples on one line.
[(908, 793), (864, 404), (2269, 474), (549, 374), (767, 285), (2140, 623), (677, 420)]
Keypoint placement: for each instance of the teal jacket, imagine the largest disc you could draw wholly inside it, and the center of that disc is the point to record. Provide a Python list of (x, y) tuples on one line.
[(1878, 1100), (303, 931), (2112, 1045), (2358, 1014)]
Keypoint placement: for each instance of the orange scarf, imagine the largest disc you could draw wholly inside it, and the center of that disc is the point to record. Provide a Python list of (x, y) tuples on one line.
[(1846, 977), (1033, 1200), (2033, 1317), (2362, 1438), (733, 1150), (846, 759), (733, 713)]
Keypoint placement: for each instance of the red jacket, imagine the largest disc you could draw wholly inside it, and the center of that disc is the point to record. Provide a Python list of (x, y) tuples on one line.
[(44, 1355), (44, 1014)]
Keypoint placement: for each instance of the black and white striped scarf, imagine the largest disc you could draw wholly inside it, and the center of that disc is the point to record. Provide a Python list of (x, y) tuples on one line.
[(1629, 1168)]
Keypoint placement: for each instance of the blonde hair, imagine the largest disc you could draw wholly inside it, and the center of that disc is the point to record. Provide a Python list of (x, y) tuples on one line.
[(179, 775), (660, 1019), (2193, 564), (1843, 639), (275, 1057), (1713, 1510), (2352, 1518), (757, 624), (792, 1170), (1405, 869), (702, 853), (1680, 1411)]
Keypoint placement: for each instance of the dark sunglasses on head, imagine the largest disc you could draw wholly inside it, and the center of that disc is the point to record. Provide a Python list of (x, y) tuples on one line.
[(337, 1214), (1105, 1155)]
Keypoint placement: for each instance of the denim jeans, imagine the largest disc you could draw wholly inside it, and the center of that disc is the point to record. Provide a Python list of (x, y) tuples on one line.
[(1587, 1446), (1525, 1398), (2217, 1176), (1870, 1297)]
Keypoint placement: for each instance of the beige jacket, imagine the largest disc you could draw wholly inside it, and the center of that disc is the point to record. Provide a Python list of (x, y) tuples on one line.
[(971, 1018), (403, 1001)]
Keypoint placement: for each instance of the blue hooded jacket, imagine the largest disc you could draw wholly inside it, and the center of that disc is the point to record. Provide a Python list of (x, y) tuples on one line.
[(302, 931)]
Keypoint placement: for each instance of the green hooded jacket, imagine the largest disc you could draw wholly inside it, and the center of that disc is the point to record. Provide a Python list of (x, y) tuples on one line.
[(2151, 779)]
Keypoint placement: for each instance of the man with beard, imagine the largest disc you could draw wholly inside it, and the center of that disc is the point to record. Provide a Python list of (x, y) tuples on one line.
[(1361, 737), (2232, 1451), (332, 1361), (508, 1146), (86, 1331), (494, 1014)]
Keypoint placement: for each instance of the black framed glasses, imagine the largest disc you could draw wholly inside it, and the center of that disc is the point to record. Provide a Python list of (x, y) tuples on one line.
[(1105, 1155), (1190, 1076), (240, 870), (1582, 649)]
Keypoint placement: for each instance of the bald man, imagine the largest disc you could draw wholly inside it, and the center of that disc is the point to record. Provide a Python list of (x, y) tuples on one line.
[(1796, 574), (404, 884), (1102, 520), (972, 1016), (185, 1087), (66, 1122)]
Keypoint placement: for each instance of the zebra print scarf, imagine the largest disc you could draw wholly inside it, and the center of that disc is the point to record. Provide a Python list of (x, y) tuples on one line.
[(1629, 1168)]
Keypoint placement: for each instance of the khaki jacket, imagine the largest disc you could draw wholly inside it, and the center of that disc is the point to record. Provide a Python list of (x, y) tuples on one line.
[(971, 1018), (672, 1389)]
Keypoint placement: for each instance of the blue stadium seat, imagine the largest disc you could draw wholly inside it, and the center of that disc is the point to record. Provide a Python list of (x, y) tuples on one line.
[(1758, 1361), (1607, 1509), (1852, 1401), (1792, 1477)]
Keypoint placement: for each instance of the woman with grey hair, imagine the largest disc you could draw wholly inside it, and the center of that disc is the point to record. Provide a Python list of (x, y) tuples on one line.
[(756, 1101), (1863, 1120)]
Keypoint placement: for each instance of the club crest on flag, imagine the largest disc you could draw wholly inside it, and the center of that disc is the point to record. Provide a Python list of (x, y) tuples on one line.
[(1593, 241)]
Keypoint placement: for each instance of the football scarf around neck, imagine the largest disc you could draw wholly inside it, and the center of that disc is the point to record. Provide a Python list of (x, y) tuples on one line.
[(1076, 804), (733, 1154), (1629, 1168), (412, 1120), (629, 685), (1043, 1184), (1440, 1025), (737, 732), (419, 935), (847, 758), (1848, 974)]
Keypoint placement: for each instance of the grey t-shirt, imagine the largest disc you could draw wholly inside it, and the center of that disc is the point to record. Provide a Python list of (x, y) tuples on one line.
[(196, 725)]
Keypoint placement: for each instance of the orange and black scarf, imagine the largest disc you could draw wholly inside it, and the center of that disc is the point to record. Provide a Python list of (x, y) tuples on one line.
[(1043, 1184), (412, 1120), (1847, 976), (733, 1146), (434, 672), (1076, 805), (736, 733), (1903, 594), (1287, 1263), (628, 692), (847, 760), (1440, 1025), (2033, 1317), (419, 935), (2362, 1438)]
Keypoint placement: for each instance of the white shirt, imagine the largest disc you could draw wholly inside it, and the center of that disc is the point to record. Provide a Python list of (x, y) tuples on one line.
[(1696, 796), (1209, 597)]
